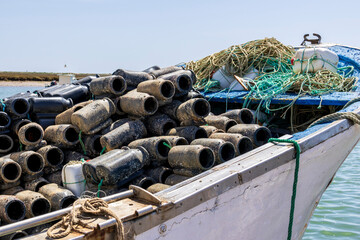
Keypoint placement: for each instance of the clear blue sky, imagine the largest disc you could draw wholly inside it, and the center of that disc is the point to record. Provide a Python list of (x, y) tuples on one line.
[(101, 36)]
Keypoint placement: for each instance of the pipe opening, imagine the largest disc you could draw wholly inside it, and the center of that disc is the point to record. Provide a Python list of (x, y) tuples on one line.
[(201, 108), (39, 185), (246, 116), (4, 120), (19, 235), (71, 135), (227, 152), (162, 149), (181, 141), (11, 171), (167, 89), (229, 124), (167, 126), (184, 82), (262, 135), (15, 210), (165, 174), (40, 206), (35, 163), (21, 106), (77, 108), (245, 145), (6, 143), (67, 201), (201, 133), (97, 144), (118, 85), (206, 158), (21, 123), (118, 105), (55, 156), (150, 105), (33, 134), (145, 183)]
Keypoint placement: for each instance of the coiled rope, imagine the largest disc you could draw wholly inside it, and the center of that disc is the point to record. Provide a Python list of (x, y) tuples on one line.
[(74, 220), (351, 102), (337, 116)]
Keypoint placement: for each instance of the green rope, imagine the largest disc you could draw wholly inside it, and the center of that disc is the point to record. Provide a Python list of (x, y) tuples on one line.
[(94, 180), (103, 150), (99, 188), (3, 105), (21, 146), (267, 86), (65, 183), (82, 143), (297, 165), (167, 145)]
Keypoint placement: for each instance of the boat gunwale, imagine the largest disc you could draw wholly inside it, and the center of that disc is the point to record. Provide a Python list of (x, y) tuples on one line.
[(224, 177)]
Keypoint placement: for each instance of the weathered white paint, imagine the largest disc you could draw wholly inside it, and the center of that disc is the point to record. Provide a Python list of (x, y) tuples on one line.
[(259, 209)]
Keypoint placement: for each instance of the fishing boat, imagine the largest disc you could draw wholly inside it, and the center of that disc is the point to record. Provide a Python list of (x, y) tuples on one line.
[(267, 193)]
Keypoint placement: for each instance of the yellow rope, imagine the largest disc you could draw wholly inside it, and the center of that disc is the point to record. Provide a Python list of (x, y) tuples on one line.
[(72, 221), (262, 55)]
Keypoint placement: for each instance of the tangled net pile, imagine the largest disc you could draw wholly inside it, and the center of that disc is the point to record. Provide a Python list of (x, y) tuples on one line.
[(264, 55), (273, 61)]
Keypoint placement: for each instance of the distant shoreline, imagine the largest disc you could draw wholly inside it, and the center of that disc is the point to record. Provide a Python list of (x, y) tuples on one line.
[(44, 77), (24, 83)]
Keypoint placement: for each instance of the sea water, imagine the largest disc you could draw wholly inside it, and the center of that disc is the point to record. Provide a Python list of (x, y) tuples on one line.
[(6, 91), (338, 213)]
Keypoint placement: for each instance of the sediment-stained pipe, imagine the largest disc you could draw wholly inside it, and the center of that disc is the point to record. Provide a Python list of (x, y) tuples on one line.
[(242, 143), (223, 150), (65, 135), (243, 115), (190, 133), (58, 197), (193, 109), (12, 209), (31, 134), (93, 115), (259, 135), (114, 85), (138, 103), (192, 158)]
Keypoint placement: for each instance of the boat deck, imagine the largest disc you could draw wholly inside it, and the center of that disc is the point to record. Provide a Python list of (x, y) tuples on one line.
[(347, 57)]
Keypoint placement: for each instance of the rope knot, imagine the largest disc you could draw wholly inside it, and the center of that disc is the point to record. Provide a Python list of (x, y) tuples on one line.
[(74, 219)]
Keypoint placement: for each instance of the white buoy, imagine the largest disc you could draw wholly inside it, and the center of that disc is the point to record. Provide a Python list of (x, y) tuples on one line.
[(314, 59), (223, 77), (73, 178)]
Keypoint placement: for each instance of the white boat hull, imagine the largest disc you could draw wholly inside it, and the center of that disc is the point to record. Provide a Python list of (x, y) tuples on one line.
[(259, 209)]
